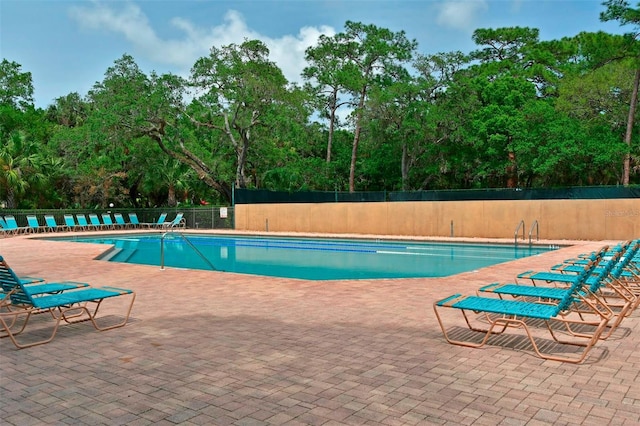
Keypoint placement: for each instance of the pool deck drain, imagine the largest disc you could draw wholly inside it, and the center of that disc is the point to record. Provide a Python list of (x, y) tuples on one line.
[(218, 348)]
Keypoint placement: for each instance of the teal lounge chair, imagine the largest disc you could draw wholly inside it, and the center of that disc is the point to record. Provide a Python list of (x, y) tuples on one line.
[(69, 306), (120, 222), (34, 286), (12, 225), (83, 223), (107, 222), (34, 225), (160, 222), (520, 315), (133, 219), (559, 276), (95, 222), (177, 222), (602, 288), (4, 228), (70, 223), (52, 225), (135, 222)]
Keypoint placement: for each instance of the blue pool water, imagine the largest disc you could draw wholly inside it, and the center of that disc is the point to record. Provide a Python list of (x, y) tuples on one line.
[(311, 259)]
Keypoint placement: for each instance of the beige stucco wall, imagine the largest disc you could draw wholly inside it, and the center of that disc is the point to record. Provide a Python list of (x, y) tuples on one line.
[(557, 219)]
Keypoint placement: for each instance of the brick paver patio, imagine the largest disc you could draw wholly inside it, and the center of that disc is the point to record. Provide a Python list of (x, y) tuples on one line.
[(217, 348)]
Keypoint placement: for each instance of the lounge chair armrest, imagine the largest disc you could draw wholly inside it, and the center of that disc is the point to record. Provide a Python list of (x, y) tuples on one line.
[(117, 289), (526, 274)]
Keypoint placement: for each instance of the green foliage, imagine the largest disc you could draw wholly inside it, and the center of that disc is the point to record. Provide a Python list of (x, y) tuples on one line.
[(16, 87), (373, 115)]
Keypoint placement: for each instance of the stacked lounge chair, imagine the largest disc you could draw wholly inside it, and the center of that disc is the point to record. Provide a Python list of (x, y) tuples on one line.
[(588, 301), (67, 302)]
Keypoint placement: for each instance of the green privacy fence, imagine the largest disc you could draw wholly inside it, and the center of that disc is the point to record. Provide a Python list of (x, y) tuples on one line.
[(196, 218), (258, 196)]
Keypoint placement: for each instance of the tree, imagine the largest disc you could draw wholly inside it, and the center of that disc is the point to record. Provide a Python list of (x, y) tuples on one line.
[(16, 87), (326, 73), (133, 108), (19, 167), (241, 87), (68, 111), (372, 56), (619, 10)]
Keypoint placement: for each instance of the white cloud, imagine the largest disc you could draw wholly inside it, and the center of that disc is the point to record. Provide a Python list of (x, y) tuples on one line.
[(129, 21), (460, 14)]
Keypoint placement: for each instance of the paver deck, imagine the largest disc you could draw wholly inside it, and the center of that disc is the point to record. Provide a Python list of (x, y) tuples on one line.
[(219, 348)]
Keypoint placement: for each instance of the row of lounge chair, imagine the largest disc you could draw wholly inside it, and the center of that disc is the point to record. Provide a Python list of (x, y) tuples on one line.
[(576, 303), (9, 225), (66, 302)]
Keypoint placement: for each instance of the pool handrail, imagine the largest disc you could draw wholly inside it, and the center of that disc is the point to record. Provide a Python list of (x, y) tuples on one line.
[(202, 256)]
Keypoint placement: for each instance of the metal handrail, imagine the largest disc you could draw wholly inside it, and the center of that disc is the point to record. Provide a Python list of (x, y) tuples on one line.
[(534, 225), (520, 225), (202, 256)]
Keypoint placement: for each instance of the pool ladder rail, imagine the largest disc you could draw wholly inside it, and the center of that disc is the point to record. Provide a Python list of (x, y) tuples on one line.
[(186, 240), (521, 225)]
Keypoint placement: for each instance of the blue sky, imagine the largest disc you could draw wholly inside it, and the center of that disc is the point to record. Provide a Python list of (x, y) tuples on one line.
[(68, 45)]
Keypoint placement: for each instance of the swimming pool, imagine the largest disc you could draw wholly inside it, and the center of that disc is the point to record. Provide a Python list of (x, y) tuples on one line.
[(305, 258)]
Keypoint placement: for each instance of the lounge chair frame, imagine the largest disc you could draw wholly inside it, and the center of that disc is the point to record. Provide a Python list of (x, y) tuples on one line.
[(34, 225), (69, 306), (52, 225), (515, 314)]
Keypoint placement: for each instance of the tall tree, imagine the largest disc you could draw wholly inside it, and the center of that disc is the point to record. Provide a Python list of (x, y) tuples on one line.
[(511, 73), (621, 11), (372, 56), (132, 108), (240, 87), (68, 111), (326, 74), (16, 87)]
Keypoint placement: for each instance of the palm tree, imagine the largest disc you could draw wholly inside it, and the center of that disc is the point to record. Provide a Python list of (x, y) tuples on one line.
[(19, 168), (172, 176)]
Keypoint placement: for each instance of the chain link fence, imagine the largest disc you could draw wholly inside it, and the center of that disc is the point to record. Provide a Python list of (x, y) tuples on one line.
[(196, 218)]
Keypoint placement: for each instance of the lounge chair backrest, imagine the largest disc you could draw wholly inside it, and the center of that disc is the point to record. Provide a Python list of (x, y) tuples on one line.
[(176, 221), (119, 219), (106, 219), (50, 221), (82, 220), (133, 218), (11, 283), (32, 221), (625, 260), (162, 218), (579, 282), (69, 221), (11, 222), (94, 220), (604, 271)]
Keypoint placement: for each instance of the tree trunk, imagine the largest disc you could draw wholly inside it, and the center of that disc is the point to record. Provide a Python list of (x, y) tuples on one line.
[(332, 121), (627, 135), (512, 174), (171, 198), (241, 178), (196, 164), (11, 198), (356, 141), (404, 166)]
